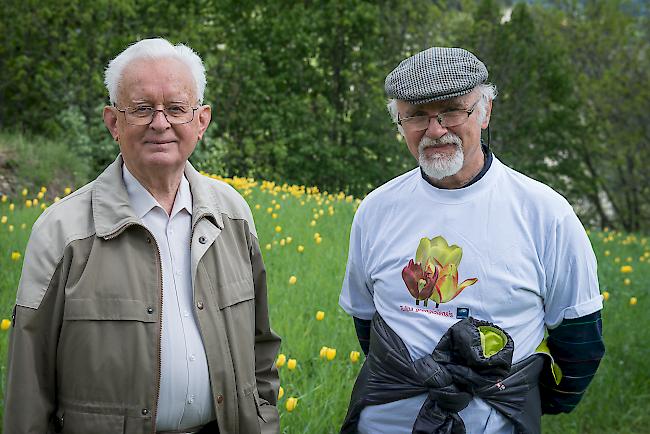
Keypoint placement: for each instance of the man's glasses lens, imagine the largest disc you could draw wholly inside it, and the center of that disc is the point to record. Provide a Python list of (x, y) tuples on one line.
[(176, 114)]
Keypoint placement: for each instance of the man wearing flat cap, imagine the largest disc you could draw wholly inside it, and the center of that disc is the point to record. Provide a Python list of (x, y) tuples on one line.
[(456, 270)]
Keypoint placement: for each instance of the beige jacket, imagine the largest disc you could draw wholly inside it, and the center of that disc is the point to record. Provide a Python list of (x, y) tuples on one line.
[(84, 353)]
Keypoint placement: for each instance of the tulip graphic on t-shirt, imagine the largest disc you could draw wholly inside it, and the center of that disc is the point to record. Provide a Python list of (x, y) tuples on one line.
[(434, 273)]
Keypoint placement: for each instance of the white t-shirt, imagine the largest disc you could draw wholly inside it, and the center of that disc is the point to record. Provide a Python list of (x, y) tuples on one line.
[(519, 238)]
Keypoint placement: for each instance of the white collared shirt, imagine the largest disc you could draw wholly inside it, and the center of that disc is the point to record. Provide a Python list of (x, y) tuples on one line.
[(185, 398)]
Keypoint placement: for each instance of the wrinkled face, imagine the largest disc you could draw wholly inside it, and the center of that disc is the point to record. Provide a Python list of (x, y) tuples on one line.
[(440, 151), (159, 146)]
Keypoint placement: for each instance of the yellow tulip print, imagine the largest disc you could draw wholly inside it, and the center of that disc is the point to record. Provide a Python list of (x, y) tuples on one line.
[(434, 273)]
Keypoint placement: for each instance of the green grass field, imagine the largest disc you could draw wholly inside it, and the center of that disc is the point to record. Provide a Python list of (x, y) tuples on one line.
[(304, 239)]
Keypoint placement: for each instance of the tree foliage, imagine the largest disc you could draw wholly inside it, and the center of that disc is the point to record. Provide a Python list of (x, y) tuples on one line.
[(297, 87)]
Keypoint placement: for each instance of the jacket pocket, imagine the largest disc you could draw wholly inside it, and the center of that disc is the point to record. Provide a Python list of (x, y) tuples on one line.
[(112, 309), (75, 422), (236, 292)]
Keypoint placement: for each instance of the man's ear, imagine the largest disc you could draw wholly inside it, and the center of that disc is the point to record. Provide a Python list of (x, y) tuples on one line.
[(110, 120), (205, 115), (488, 112)]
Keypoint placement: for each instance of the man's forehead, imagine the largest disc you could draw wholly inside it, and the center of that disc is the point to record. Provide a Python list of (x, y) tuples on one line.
[(168, 75)]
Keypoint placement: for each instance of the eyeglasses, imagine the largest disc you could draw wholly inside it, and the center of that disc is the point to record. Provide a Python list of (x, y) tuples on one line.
[(445, 119), (143, 115)]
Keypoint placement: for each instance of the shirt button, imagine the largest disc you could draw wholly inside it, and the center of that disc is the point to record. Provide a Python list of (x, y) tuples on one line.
[(145, 411), (200, 305), (219, 399), (150, 310), (203, 239)]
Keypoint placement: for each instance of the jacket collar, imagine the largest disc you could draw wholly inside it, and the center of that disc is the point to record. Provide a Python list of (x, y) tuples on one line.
[(112, 211)]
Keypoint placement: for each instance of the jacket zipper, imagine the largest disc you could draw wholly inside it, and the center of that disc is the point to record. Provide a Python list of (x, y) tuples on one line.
[(158, 373)]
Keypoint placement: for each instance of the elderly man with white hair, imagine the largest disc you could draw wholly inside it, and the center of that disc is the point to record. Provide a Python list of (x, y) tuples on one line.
[(459, 267), (142, 304)]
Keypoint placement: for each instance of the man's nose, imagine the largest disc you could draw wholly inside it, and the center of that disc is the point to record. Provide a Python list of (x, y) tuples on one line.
[(159, 121), (435, 130)]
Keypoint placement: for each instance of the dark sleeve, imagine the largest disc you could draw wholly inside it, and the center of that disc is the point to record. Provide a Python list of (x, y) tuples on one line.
[(577, 347), (362, 326)]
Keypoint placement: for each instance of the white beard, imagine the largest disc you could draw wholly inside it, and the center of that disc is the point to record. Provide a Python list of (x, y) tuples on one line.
[(439, 165)]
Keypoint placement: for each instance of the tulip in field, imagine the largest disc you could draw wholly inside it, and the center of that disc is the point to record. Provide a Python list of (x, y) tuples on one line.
[(626, 269), (301, 249), (278, 229), (605, 295), (5, 324), (40, 195), (24, 192), (10, 228), (15, 255), (3, 219), (281, 360), (318, 240), (280, 392), (11, 207), (291, 403), (607, 253), (633, 301), (4, 198), (320, 315), (56, 199), (268, 247), (323, 352), (293, 280), (291, 364), (28, 203), (282, 242), (627, 281), (354, 356), (258, 206), (330, 353)]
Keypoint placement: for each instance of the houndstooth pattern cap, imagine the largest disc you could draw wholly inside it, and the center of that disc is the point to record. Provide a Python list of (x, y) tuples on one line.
[(435, 74)]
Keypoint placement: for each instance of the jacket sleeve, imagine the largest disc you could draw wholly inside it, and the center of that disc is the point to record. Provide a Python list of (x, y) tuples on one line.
[(267, 344), (31, 362)]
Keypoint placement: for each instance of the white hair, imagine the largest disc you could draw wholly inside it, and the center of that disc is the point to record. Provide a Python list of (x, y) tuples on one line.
[(488, 93), (158, 48)]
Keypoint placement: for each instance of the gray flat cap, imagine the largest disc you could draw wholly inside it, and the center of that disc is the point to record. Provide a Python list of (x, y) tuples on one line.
[(435, 74)]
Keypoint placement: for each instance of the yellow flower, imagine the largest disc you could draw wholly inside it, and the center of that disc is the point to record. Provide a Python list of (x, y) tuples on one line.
[(28, 203), (67, 191), (274, 216), (11, 207), (354, 356), (278, 229), (291, 364), (331, 353), (3, 219), (633, 301), (15, 255), (291, 403), (617, 260), (281, 360), (277, 206), (316, 235), (23, 226), (282, 242), (268, 247), (607, 253), (323, 352), (289, 240), (35, 201), (626, 269), (10, 228), (629, 259), (605, 295), (4, 198), (40, 195), (24, 192), (318, 240), (627, 281), (301, 249), (269, 210), (280, 392), (312, 223), (43, 189), (5, 324), (57, 198), (43, 206), (258, 206), (293, 280), (320, 315)]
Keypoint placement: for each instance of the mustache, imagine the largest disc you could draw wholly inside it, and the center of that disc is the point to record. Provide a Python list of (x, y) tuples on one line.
[(447, 139)]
